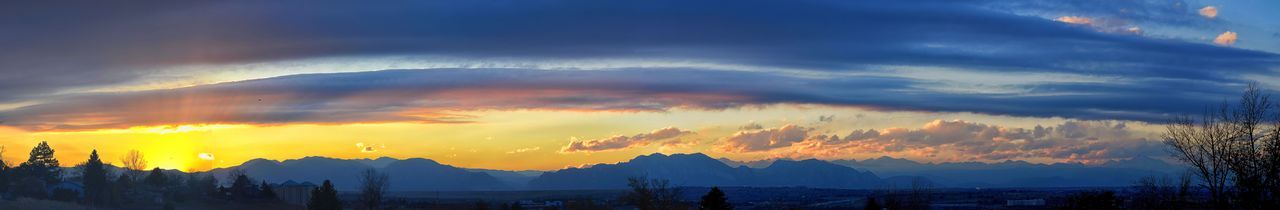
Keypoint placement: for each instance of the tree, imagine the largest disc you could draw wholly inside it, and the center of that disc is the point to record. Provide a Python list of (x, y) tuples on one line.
[(157, 178), (647, 194), (481, 205), (715, 200), (42, 165), (95, 180), (324, 198), (134, 164), (5, 172), (267, 192), (374, 185), (1234, 150), (243, 187)]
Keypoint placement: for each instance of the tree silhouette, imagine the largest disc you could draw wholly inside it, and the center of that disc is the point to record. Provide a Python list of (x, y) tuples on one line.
[(715, 200), (267, 192), (243, 187), (157, 178), (42, 165), (647, 194), (95, 180), (374, 185), (1234, 150), (134, 164), (5, 172), (324, 198)]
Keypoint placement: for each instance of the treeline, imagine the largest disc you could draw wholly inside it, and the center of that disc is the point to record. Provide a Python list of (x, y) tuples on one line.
[(97, 184)]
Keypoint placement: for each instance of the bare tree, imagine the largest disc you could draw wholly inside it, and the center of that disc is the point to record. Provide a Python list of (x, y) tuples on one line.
[(374, 186), (135, 164), (651, 194), (1234, 150)]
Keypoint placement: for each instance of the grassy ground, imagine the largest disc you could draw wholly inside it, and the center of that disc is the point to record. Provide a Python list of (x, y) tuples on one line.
[(34, 204), (198, 204)]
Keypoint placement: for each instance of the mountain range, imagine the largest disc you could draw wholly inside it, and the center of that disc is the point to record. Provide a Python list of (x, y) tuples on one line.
[(1011, 173), (417, 174)]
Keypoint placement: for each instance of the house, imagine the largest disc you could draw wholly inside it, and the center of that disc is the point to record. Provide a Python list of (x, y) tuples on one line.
[(293, 192)]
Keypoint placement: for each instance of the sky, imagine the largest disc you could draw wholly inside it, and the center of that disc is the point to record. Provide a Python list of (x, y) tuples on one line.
[(550, 84)]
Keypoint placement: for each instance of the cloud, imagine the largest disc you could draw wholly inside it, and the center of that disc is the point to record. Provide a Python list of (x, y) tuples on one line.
[(205, 156), (1103, 25), (368, 148), (751, 126), (1209, 12), (1151, 12), (1226, 38), (1084, 141), (440, 95), (70, 50), (763, 140), (623, 142), (1075, 20), (523, 150)]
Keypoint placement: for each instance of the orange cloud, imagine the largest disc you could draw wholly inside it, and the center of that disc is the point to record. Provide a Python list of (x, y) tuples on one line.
[(1075, 20), (1209, 12), (1226, 38), (761, 140), (623, 142), (968, 141)]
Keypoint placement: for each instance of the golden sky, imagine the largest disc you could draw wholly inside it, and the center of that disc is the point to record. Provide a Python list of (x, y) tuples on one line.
[(512, 140)]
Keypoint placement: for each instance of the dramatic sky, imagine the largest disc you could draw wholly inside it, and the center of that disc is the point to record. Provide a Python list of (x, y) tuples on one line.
[(549, 84)]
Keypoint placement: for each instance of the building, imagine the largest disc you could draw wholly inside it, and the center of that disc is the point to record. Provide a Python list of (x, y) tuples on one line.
[(294, 193)]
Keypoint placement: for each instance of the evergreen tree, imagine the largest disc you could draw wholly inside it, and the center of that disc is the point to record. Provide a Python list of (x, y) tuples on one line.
[(267, 191), (243, 187), (5, 172), (42, 165), (95, 180), (157, 178), (715, 200), (325, 198)]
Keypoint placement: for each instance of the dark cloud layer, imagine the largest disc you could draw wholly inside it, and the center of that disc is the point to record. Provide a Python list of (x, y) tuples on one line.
[(52, 46), (439, 95)]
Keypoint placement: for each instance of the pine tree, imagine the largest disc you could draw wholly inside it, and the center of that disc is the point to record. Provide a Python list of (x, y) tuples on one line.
[(42, 165), (5, 172), (95, 180), (715, 200), (267, 191), (324, 198), (243, 187)]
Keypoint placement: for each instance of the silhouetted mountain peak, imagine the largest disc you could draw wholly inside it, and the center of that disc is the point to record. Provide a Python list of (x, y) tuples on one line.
[(259, 162), (416, 162)]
